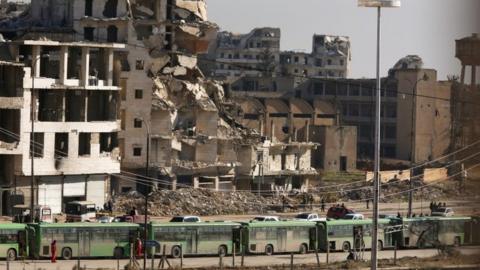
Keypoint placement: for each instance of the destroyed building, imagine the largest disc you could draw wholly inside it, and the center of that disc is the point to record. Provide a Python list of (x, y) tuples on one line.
[(258, 53), (157, 92), (75, 127), (409, 92)]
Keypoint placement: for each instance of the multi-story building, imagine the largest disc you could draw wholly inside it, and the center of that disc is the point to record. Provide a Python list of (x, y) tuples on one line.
[(258, 54), (193, 138), (75, 118), (416, 119)]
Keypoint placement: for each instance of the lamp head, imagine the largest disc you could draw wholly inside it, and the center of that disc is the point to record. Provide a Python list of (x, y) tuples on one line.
[(380, 3)]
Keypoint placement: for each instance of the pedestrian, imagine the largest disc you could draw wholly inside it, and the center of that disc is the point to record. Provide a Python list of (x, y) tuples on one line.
[(53, 251), (431, 206), (368, 203), (139, 248), (323, 205), (444, 204), (343, 205)]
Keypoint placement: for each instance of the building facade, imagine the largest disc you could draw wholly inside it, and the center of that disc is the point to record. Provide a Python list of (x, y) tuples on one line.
[(258, 54), (416, 112), (75, 100)]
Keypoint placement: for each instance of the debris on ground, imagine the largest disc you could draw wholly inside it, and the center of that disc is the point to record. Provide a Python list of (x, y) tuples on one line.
[(203, 202)]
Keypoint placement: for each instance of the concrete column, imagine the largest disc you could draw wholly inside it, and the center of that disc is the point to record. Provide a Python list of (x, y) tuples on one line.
[(196, 182), (63, 64), (64, 106), (73, 141), (36, 63), (474, 78), (216, 183), (262, 131), (109, 67), (48, 146), (462, 76), (85, 67), (95, 145), (174, 183)]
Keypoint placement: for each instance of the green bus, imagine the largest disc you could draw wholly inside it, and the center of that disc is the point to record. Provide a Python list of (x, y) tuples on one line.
[(278, 236), (472, 233), (422, 232), (347, 234), (13, 241), (196, 238), (85, 240)]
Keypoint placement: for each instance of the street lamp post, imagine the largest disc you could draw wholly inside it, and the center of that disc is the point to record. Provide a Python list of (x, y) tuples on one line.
[(379, 4), (413, 146)]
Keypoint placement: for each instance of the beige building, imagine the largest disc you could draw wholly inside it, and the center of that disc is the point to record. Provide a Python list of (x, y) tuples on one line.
[(416, 111), (297, 124)]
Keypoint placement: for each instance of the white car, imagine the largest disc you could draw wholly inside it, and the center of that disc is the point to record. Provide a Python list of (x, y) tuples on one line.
[(354, 216), (266, 218), (186, 219), (308, 217), (443, 212), (105, 219)]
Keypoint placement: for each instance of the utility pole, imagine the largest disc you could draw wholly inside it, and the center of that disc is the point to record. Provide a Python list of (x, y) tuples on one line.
[(413, 143), (32, 135), (145, 237), (378, 4)]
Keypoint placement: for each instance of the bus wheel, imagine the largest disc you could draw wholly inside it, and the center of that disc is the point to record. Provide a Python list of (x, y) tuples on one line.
[(269, 250), (457, 241), (118, 253), (346, 246), (303, 249), (176, 252), (379, 245), (66, 253), (222, 251), (11, 255)]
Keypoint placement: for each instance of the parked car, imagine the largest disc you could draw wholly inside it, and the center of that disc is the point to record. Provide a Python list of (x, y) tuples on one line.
[(185, 219), (338, 212), (354, 216), (443, 212), (308, 217), (266, 218), (105, 219)]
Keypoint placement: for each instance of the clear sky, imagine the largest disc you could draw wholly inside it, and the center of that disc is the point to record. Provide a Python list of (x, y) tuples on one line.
[(427, 28)]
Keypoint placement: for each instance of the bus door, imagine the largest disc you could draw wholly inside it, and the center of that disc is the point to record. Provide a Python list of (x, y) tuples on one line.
[(358, 237), (84, 243), (22, 243), (313, 238), (192, 243), (282, 239), (236, 238)]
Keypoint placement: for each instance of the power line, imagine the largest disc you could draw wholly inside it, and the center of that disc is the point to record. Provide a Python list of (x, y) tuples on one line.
[(149, 180)]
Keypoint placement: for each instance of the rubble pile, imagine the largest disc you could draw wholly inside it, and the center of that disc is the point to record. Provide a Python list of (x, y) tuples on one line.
[(398, 191), (200, 202)]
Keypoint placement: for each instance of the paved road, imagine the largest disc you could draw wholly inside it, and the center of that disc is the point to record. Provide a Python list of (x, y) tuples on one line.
[(212, 261)]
